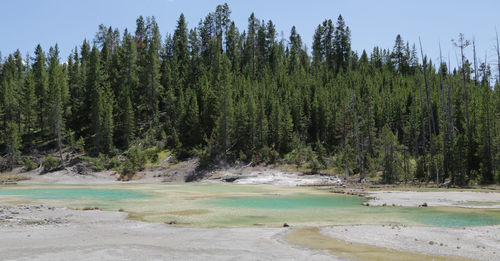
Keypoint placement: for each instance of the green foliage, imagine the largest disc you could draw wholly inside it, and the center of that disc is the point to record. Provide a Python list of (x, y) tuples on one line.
[(29, 164), (391, 157), (135, 161), (102, 162), (226, 95), (51, 163), (11, 136), (80, 144)]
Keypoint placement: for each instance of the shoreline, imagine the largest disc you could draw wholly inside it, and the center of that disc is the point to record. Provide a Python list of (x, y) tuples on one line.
[(38, 232)]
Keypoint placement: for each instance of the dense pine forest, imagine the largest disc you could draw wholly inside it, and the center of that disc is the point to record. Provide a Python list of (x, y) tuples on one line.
[(227, 95)]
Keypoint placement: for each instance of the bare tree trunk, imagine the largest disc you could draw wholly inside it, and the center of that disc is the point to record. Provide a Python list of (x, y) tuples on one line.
[(445, 162), (498, 56), (358, 137), (58, 129), (360, 152), (475, 59), (432, 128), (488, 119), (370, 138), (462, 44), (415, 136), (344, 133), (450, 106), (429, 104), (423, 119)]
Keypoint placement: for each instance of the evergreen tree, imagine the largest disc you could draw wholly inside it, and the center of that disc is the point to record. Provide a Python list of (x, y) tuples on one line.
[(28, 103), (41, 86), (56, 95)]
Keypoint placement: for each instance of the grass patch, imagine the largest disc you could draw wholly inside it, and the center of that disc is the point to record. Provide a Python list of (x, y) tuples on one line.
[(155, 157)]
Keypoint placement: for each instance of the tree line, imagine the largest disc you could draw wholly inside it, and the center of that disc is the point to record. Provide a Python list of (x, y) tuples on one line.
[(247, 96)]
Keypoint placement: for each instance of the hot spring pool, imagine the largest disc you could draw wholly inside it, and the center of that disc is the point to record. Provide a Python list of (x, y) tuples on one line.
[(208, 205)]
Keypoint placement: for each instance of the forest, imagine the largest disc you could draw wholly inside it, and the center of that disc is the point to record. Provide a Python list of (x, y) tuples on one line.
[(233, 96)]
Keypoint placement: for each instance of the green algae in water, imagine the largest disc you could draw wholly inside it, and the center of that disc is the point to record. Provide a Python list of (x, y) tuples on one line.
[(75, 194), (454, 217), (290, 202), (341, 207), (240, 205)]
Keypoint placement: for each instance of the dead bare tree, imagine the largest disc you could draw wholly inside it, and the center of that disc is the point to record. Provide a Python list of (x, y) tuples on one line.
[(498, 56), (432, 128), (429, 105), (422, 112), (475, 59), (358, 138), (443, 102), (462, 43), (58, 130), (488, 121), (450, 106)]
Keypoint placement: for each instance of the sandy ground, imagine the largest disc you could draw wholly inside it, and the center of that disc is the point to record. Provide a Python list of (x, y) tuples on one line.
[(44, 233), (38, 232), (481, 242), (29, 232), (470, 199)]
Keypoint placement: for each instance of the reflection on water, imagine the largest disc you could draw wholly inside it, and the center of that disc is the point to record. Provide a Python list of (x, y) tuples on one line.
[(241, 205)]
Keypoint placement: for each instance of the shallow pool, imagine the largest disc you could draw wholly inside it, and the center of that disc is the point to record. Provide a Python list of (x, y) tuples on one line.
[(240, 205)]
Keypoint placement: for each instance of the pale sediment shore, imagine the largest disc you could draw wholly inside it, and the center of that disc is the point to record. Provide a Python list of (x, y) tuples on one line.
[(479, 242), (38, 232), (30, 232), (469, 199)]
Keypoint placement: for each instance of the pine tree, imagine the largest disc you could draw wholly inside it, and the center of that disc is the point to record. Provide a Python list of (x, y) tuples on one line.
[(41, 86), (150, 72), (29, 103), (224, 122), (342, 44), (100, 100), (13, 142), (56, 95), (127, 85)]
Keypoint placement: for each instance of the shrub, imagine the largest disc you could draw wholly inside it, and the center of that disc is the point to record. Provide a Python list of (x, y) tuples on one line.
[(50, 163), (102, 162), (204, 158), (80, 145), (135, 161), (29, 164)]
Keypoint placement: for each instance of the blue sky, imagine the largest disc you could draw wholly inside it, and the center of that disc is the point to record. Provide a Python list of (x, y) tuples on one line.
[(24, 24)]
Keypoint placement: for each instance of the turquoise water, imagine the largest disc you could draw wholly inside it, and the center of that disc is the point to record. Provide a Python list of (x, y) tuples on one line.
[(439, 218), (290, 202), (239, 205), (76, 194), (346, 205)]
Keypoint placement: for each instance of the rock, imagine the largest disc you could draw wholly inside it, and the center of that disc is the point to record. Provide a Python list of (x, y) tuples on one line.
[(431, 243), (230, 179), (286, 225)]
